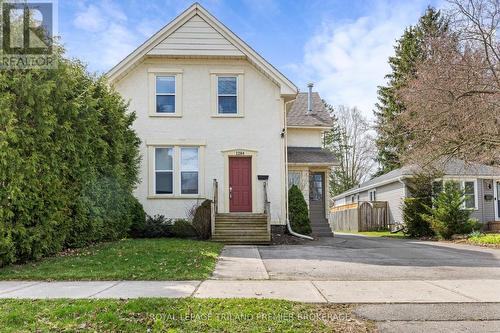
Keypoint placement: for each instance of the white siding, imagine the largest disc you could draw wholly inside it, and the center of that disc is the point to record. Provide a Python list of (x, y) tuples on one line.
[(196, 37), (394, 194), (304, 137)]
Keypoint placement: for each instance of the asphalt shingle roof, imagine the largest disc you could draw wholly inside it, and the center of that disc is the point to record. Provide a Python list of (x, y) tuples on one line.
[(310, 155), (298, 115), (448, 167)]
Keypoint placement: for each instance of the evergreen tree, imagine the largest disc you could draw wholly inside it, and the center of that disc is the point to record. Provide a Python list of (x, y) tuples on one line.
[(410, 49)]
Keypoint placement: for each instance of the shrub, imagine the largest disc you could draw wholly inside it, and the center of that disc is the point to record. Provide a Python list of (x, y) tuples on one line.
[(299, 214), (155, 227), (69, 161), (421, 197), (447, 216), (182, 229), (202, 219), (138, 216)]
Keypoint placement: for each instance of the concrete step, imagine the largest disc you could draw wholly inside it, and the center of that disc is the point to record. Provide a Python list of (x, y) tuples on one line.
[(241, 233)]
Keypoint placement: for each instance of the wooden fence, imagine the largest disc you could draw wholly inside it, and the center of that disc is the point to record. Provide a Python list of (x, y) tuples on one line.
[(362, 216)]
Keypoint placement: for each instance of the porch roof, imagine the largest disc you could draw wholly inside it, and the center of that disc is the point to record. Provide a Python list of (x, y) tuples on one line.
[(311, 155)]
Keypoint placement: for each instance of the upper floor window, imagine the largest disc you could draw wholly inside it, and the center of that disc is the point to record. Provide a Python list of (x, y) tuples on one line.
[(165, 94), (227, 96), (164, 171)]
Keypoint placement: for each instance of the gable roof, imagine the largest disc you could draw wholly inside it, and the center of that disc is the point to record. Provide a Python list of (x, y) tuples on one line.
[(451, 167), (299, 117), (198, 18)]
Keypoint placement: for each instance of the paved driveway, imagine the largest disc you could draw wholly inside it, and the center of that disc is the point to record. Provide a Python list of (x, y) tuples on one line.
[(358, 258)]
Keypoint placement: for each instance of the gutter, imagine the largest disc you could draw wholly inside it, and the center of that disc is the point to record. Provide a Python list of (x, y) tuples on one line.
[(288, 225)]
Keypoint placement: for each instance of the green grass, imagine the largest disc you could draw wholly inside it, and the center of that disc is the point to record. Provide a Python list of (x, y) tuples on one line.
[(490, 239), (378, 234), (176, 315), (129, 259)]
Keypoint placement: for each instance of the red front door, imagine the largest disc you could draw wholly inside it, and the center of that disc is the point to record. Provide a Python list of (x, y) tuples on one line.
[(240, 184)]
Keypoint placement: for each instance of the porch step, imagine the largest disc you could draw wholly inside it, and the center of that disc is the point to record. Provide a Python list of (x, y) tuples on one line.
[(241, 228), (321, 228)]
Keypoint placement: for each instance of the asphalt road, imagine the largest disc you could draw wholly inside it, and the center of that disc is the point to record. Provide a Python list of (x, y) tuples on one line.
[(358, 258)]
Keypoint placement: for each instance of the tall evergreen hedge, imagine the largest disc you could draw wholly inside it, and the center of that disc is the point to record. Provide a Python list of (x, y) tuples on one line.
[(68, 161)]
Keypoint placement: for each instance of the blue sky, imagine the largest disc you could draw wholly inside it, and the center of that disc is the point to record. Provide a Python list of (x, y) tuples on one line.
[(341, 46)]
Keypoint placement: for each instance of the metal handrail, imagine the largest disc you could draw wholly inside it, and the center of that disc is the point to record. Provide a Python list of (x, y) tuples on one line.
[(267, 208), (215, 206)]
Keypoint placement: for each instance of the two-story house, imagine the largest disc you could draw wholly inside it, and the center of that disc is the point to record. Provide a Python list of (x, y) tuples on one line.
[(217, 121)]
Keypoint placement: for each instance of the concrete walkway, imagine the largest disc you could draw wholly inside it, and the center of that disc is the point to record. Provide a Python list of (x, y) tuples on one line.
[(435, 291)]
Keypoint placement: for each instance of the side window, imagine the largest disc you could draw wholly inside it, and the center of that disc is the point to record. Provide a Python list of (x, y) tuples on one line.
[(469, 194), (164, 171), (189, 170), (165, 94), (373, 195), (227, 96), (294, 179)]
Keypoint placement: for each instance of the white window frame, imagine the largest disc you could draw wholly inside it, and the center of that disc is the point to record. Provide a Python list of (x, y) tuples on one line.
[(176, 145), (227, 95), (240, 92), (461, 182), (164, 94), (153, 73), (164, 171), (462, 186), (181, 170), (372, 195)]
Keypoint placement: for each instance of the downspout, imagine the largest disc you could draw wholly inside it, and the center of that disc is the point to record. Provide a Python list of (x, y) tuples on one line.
[(288, 225)]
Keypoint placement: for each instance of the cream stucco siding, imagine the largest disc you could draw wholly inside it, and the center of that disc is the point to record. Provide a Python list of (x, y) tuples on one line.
[(257, 131), (298, 137)]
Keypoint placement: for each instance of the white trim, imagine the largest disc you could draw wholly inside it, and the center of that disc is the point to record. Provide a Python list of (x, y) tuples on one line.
[(179, 142), (129, 62), (461, 181), (176, 172), (231, 76), (152, 75), (374, 191), (180, 171), (240, 93), (323, 128)]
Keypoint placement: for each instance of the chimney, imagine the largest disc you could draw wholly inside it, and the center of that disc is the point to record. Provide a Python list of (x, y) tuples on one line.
[(309, 98)]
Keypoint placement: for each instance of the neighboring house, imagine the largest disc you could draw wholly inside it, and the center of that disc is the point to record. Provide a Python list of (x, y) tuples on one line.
[(211, 110), (481, 184)]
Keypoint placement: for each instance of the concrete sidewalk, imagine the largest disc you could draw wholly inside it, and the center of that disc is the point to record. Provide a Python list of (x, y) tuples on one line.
[(435, 291)]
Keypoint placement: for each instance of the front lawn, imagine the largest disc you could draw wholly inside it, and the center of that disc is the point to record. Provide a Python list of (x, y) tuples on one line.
[(377, 234), (485, 239), (176, 315), (129, 259)]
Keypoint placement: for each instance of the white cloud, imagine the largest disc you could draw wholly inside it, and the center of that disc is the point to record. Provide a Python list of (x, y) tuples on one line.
[(348, 60), (90, 19), (108, 39)]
